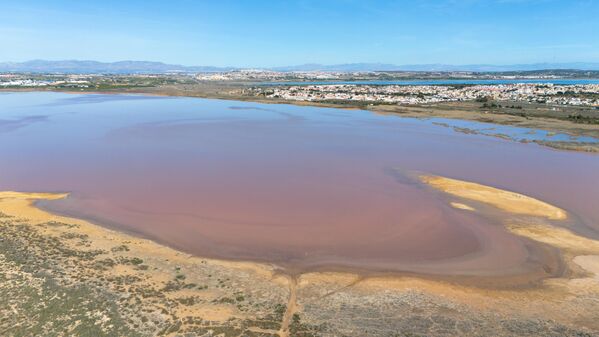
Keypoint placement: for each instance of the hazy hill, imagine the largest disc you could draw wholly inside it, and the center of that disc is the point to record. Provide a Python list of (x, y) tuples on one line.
[(140, 67), (121, 67)]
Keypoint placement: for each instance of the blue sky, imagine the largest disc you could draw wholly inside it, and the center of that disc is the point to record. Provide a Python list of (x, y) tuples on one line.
[(258, 33)]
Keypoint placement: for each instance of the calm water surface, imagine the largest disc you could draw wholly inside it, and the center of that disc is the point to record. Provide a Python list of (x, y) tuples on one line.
[(298, 186)]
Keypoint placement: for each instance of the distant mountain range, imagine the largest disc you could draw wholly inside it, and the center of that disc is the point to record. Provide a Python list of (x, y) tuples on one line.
[(145, 67), (121, 67)]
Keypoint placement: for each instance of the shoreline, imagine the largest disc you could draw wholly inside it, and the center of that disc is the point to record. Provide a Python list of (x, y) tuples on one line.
[(457, 270), (507, 201), (293, 270), (291, 304)]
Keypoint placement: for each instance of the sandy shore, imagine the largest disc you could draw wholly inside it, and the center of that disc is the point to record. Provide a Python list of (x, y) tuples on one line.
[(155, 290)]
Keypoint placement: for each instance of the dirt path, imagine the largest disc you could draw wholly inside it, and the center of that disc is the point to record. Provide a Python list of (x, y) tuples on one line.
[(291, 307)]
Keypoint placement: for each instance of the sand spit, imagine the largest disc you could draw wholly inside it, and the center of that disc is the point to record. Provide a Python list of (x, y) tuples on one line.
[(535, 226), (505, 200), (459, 205), (101, 282)]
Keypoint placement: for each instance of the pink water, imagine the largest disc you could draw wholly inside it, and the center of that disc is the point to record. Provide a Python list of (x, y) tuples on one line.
[(297, 186)]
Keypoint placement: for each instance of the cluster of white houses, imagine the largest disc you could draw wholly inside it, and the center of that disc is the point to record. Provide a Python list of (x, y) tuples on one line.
[(15, 80), (265, 75), (581, 94)]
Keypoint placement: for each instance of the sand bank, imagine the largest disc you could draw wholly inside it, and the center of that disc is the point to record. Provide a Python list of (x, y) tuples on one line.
[(508, 201)]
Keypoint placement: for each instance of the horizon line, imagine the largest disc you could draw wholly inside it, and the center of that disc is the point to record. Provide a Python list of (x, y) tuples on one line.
[(301, 64)]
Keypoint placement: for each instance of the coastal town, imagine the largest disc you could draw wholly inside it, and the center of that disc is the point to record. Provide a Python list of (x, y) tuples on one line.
[(325, 86), (579, 94), (26, 80), (278, 76)]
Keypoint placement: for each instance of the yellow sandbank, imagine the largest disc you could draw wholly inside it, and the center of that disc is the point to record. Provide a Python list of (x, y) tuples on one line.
[(459, 205), (508, 201)]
